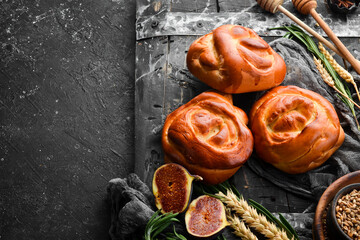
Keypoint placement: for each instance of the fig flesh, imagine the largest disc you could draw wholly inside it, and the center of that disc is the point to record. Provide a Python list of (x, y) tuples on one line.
[(172, 187), (205, 217)]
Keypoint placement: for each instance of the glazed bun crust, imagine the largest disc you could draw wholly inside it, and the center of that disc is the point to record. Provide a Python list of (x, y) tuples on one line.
[(234, 59), (295, 129), (208, 136)]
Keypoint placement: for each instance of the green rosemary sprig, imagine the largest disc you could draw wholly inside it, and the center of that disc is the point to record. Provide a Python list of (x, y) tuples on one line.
[(221, 237), (158, 223), (296, 32), (174, 236)]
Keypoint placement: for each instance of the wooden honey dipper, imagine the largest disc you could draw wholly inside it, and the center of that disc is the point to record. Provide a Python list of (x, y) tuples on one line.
[(275, 5), (308, 7)]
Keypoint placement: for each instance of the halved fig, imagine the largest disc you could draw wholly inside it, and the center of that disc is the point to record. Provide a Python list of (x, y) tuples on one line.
[(172, 187), (205, 217)]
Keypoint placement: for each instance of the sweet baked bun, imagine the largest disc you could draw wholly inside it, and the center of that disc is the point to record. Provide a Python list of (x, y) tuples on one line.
[(208, 136), (234, 59), (295, 129)]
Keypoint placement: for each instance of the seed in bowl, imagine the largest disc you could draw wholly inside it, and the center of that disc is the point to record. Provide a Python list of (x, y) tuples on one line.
[(348, 214)]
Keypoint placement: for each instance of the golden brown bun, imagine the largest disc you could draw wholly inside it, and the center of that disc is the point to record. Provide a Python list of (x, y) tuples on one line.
[(208, 136), (295, 129), (234, 59)]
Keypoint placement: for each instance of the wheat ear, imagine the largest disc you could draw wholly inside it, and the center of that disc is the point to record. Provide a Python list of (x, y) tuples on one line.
[(328, 79), (252, 217), (339, 69), (239, 227)]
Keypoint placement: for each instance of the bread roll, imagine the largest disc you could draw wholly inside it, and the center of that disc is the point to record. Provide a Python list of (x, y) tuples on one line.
[(234, 59), (208, 136), (295, 129)]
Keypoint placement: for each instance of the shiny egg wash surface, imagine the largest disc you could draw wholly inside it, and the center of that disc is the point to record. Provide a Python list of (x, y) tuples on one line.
[(205, 218), (172, 188)]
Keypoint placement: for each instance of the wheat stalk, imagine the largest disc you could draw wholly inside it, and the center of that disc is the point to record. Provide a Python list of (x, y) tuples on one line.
[(239, 227), (324, 74), (339, 69), (251, 216), (328, 79)]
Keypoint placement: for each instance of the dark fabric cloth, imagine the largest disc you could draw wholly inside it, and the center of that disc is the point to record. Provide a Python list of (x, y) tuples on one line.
[(131, 207), (302, 72)]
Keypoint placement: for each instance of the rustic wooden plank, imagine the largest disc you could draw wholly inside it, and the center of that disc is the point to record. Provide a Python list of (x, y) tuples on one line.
[(162, 85), (178, 23), (180, 86), (353, 44), (274, 198), (234, 5), (168, 23), (150, 73), (169, 73), (151, 7), (254, 187), (199, 6)]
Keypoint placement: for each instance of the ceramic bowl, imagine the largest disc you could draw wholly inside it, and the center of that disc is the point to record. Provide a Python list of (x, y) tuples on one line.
[(342, 10), (332, 222), (320, 218)]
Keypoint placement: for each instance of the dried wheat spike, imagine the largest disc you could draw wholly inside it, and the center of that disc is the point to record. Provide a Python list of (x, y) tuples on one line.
[(328, 79), (339, 69), (252, 217), (239, 227)]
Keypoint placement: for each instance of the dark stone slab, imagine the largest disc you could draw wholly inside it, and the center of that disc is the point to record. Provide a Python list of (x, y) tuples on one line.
[(66, 114)]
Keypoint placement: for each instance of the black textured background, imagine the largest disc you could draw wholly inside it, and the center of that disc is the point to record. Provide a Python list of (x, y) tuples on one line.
[(66, 113)]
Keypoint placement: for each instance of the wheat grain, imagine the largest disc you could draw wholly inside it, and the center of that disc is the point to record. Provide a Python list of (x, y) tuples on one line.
[(324, 74), (339, 69), (239, 227), (328, 79), (252, 217)]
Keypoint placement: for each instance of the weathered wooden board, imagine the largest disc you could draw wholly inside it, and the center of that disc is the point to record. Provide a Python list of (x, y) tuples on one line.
[(198, 6), (164, 84), (160, 98), (166, 22), (151, 55)]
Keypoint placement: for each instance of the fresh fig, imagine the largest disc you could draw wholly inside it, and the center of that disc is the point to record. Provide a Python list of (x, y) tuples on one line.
[(205, 217), (172, 187)]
